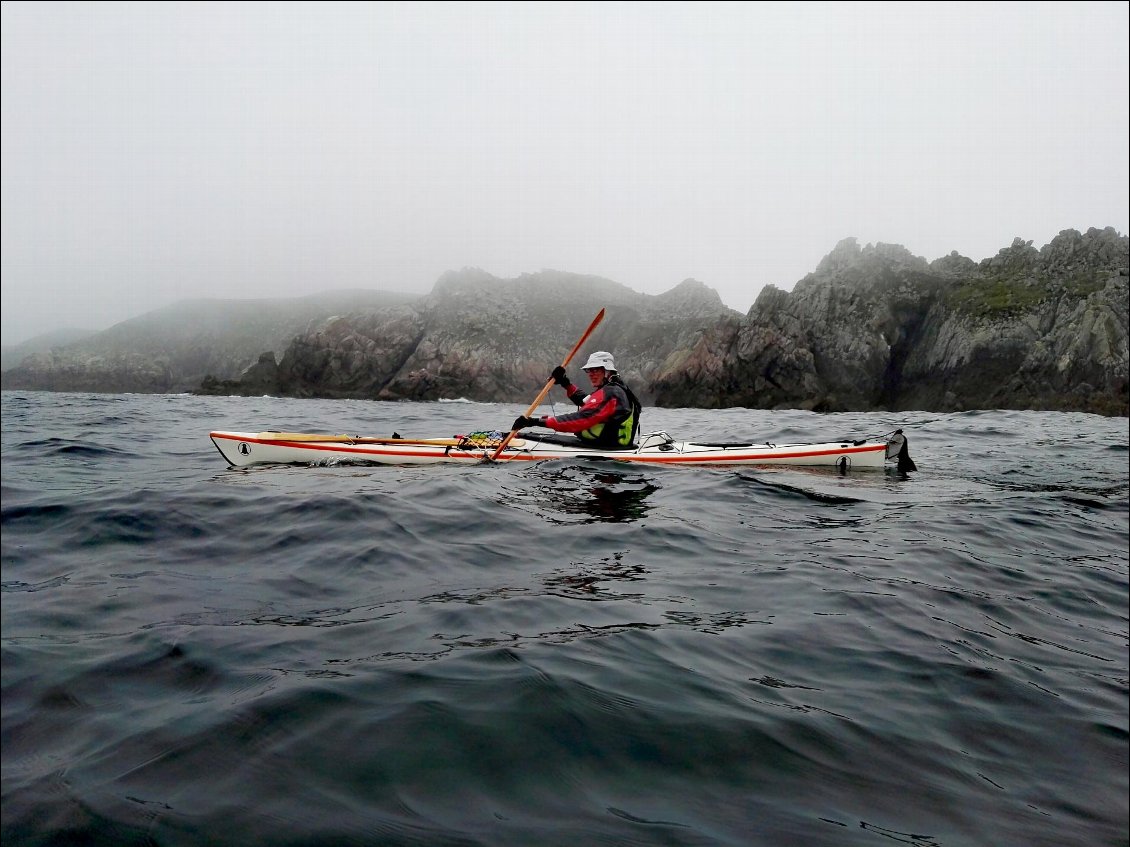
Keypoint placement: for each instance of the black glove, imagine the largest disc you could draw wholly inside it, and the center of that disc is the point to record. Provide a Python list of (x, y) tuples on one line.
[(521, 422), (559, 376)]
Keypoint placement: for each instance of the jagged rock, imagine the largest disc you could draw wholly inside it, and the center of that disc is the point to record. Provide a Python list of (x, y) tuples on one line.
[(260, 378), (480, 337), (877, 328), (1047, 331), (351, 356)]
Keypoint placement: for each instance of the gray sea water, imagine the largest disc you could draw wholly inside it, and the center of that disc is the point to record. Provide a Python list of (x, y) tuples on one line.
[(568, 653)]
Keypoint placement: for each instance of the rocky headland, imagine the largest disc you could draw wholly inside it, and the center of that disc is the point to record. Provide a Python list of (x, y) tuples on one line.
[(877, 328), (172, 350), (873, 327)]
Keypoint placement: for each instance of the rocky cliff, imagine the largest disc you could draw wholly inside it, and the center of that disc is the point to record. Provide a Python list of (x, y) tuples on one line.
[(873, 327), (483, 338), (876, 327)]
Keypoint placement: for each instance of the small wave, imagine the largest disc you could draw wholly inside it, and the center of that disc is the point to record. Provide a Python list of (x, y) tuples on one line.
[(793, 490), (71, 448), (16, 585)]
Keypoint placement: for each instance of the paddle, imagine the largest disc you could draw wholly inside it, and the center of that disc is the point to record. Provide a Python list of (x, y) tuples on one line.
[(549, 382)]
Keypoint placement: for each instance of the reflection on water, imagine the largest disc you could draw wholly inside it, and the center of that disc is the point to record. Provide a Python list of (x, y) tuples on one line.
[(584, 581), (611, 496)]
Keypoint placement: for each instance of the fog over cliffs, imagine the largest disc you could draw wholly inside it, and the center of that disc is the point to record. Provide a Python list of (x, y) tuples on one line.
[(872, 327)]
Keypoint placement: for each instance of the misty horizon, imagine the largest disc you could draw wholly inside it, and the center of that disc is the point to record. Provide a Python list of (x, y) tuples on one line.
[(159, 152)]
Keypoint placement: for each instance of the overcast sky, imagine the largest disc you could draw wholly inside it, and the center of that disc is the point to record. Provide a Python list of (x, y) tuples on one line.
[(154, 152)]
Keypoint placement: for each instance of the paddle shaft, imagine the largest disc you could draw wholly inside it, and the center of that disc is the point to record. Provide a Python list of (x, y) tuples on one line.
[(549, 382)]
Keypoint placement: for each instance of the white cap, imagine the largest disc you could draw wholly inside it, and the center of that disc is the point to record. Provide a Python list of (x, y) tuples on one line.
[(600, 359)]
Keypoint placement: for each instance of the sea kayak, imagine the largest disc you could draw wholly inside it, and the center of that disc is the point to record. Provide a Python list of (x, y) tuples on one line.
[(242, 449)]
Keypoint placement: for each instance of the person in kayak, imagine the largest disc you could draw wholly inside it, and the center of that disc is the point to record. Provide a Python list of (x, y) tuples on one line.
[(607, 419)]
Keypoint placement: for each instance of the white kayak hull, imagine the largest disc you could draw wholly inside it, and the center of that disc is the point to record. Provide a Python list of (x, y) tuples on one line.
[(242, 449)]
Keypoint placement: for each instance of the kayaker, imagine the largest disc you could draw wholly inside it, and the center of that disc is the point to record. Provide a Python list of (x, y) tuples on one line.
[(608, 418)]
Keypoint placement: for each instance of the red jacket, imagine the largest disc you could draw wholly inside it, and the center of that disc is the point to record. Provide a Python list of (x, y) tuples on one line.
[(609, 403)]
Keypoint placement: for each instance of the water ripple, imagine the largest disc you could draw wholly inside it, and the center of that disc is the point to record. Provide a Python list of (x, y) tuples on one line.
[(573, 652)]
